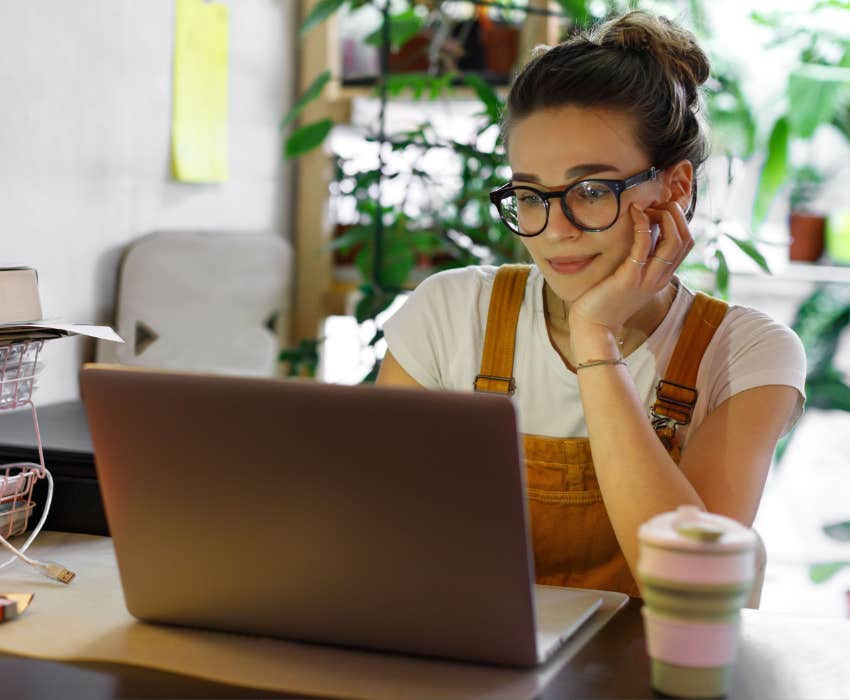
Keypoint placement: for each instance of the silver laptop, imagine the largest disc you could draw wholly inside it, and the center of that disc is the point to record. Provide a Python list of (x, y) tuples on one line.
[(370, 517)]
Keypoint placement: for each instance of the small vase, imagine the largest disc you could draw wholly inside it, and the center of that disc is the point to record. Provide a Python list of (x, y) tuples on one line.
[(807, 237)]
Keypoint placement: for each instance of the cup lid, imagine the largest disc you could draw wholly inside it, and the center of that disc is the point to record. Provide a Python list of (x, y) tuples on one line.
[(688, 528)]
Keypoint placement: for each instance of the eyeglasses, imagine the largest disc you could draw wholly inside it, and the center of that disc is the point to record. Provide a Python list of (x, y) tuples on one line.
[(591, 205)]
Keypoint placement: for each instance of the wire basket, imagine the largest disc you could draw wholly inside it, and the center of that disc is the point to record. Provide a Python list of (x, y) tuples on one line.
[(19, 368)]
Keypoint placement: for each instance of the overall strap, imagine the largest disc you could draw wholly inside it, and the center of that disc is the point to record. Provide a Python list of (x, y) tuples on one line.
[(497, 358), (676, 394)]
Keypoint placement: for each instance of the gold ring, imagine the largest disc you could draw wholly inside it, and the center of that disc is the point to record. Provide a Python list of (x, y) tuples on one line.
[(638, 262), (666, 262), (643, 230)]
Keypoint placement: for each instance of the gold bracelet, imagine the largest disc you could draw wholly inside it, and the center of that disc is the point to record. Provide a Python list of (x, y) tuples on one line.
[(596, 363)]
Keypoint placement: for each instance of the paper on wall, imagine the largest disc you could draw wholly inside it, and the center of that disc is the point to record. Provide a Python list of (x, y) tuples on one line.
[(199, 118)]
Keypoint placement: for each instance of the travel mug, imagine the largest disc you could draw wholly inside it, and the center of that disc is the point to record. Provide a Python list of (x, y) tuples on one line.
[(696, 570)]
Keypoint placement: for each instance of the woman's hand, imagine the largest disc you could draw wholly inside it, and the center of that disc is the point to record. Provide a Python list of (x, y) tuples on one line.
[(599, 314)]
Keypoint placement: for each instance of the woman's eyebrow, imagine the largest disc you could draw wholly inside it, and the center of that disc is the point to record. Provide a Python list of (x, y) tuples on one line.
[(572, 173), (589, 169)]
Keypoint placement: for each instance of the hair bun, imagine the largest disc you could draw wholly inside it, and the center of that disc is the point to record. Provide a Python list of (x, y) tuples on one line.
[(673, 48)]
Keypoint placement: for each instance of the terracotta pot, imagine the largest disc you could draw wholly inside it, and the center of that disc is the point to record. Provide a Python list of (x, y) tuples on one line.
[(807, 237), (501, 44), (345, 257), (412, 56)]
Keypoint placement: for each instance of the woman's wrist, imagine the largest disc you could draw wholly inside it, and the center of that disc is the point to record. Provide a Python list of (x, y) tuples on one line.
[(592, 341)]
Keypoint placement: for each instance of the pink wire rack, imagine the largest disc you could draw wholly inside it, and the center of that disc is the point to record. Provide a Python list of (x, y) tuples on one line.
[(19, 368)]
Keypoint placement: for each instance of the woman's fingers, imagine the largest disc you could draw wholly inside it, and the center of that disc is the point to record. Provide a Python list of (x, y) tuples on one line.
[(674, 242), (642, 245), (682, 227)]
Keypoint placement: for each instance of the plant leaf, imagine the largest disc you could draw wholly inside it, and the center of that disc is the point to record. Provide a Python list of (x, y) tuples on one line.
[(322, 10), (838, 531), (355, 235), (379, 335), (722, 274), (819, 573), (372, 376), (492, 103), (751, 251), (373, 302), (820, 321), (815, 93), (310, 94), (403, 26), (307, 137), (827, 391), (577, 10), (773, 172)]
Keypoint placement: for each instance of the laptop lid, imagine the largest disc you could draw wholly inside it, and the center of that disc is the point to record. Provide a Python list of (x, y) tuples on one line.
[(373, 517)]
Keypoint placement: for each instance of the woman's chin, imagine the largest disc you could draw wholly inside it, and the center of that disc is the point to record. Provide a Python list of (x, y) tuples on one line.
[(570, 288)]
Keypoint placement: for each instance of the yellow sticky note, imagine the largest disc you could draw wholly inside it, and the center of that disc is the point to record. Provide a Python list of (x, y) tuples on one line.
[(199, 120)]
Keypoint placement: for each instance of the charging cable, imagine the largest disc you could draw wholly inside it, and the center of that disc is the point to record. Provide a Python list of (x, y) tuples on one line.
[(51, 569)]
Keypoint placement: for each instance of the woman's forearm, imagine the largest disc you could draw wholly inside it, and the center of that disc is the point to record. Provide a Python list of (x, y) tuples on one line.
[(636, 475)]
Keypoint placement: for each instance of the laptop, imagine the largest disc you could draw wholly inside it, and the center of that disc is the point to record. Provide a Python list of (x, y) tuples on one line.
[(373, 517)]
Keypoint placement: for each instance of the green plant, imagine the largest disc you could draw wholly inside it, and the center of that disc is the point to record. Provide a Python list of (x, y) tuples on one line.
[(451, 229), (458, 228), (817, 92), (820, 322), (806, 182), (820, 572)]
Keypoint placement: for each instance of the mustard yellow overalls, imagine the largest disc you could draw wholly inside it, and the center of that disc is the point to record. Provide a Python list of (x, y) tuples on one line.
[(574, 542)]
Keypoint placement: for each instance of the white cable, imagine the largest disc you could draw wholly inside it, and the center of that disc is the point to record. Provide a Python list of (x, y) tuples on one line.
[(50, 569), (25, 546)]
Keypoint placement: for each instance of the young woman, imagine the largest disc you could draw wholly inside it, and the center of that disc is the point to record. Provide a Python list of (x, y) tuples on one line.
[(634, 395)]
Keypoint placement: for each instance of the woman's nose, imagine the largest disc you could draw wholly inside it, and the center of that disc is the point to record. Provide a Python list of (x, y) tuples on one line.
[(559, 225)]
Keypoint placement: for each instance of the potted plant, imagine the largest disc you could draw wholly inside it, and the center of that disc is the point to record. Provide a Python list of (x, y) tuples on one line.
[(387, 242), (816, 92), (499, 31), (806, 225), (821, 321)]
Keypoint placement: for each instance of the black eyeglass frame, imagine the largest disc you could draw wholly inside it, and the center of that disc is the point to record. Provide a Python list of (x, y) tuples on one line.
[(617, 186)]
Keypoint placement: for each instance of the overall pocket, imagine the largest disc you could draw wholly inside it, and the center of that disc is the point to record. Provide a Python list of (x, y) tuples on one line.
[(574, 542)]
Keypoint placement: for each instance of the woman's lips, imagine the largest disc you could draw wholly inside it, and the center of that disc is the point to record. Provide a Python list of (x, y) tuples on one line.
[(570, 265)]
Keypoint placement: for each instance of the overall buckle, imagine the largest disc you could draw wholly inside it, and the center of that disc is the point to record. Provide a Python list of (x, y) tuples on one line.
[(510, 381)]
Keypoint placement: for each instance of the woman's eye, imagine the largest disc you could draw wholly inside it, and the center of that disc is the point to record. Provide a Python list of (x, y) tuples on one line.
[(530, 199), (593, 192)]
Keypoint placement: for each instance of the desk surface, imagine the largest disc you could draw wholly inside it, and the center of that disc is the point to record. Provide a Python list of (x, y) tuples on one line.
[(780, 657)]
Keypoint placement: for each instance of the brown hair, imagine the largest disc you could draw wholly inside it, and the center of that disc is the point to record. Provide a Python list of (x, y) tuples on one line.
[(638, 62)]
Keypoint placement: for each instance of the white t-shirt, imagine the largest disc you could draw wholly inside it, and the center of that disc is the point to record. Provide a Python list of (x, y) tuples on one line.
[(438, 334)]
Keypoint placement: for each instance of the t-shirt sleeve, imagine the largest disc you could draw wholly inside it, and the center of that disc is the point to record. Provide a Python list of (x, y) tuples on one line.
[(440, 313), (753, 350)]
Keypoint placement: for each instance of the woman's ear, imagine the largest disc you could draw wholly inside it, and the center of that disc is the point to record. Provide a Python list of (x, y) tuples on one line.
[(679, 182)]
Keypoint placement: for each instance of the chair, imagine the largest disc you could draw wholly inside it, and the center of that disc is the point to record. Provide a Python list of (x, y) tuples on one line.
[(202, 301)]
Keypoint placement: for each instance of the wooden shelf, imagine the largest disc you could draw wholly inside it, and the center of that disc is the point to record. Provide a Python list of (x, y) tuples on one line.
[(346, 93), (321, 290), (812, 272)]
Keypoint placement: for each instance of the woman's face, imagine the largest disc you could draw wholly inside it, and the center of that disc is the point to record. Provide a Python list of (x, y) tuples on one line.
[(552, 149)]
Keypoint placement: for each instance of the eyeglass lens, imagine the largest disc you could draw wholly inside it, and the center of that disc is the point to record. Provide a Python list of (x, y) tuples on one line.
[(593, 205)]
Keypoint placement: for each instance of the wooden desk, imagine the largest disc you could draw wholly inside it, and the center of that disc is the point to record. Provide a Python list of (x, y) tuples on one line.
[(780, 657)]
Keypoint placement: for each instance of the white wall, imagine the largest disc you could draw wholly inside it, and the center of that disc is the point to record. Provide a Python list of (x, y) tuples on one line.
[(85, 115)]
